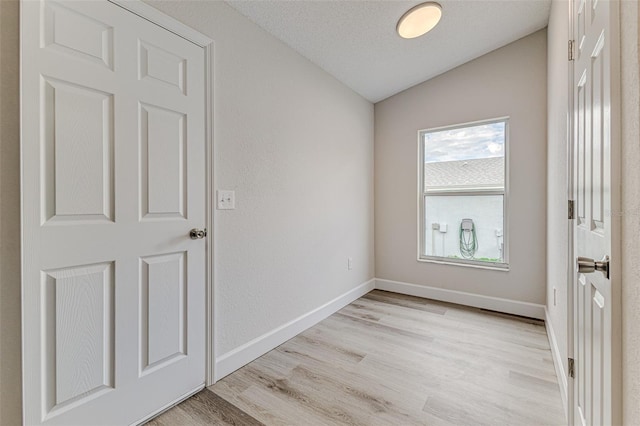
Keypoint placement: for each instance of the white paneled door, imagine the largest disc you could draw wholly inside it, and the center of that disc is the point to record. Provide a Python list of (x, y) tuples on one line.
[(113, 169), (596, 388)]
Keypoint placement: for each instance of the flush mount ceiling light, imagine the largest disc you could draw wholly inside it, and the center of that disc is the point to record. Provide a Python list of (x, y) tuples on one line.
[(419, 20)]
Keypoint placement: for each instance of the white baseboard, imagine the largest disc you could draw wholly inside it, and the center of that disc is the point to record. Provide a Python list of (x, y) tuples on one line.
[(525, 309), (558, 362), (236, 358)]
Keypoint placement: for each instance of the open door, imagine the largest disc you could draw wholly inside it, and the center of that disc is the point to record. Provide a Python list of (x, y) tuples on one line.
[(113, 183), (596, 396)]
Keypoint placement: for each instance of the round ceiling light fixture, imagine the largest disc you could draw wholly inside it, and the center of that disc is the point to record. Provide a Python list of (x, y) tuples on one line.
[(419, 20)]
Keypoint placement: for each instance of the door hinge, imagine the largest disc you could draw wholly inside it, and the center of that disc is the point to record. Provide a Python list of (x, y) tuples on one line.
[(571, 50), (572, 371), (571, 210)]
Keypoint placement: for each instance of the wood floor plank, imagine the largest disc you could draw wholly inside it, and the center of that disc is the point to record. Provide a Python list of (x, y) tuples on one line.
[(205, 408), (207, 405), (174, 416), (390, 359), (451, 324), (407, 302)]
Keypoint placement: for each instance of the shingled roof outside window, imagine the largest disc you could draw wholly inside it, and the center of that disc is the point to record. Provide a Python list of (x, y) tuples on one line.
[(481, 173)]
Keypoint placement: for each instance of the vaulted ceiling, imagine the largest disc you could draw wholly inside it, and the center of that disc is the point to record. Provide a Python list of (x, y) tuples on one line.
[(357, 43)]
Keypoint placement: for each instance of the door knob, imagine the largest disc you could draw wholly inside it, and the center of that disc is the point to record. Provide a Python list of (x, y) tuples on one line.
[(197, 234), (586, 265)]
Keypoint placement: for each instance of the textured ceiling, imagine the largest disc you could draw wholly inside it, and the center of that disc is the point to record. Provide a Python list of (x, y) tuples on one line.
[(356, 41)]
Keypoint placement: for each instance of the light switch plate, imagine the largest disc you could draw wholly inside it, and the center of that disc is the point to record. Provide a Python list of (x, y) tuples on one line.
[(226, 200)]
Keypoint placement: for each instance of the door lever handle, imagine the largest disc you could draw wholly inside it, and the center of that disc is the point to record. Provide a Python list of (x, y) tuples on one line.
[(585, 265), (197, 234)]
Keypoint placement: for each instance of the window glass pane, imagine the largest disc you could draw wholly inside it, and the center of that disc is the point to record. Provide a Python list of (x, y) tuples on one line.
[(465, 143), (464, 227), (465, 158)]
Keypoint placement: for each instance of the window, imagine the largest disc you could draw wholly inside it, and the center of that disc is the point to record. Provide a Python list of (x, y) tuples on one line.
[(463, 197)]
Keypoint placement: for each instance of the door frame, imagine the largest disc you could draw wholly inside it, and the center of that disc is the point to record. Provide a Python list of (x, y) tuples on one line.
[(615, 215), (155, 16), (571, 274)]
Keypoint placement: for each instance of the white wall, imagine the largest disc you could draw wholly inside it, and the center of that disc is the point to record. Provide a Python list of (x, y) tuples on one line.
[(10, 373), (630, 51), (557, 140), (297, 147), (510, 81)]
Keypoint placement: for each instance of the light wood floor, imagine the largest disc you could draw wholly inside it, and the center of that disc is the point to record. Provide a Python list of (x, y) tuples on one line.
[(388, 359)]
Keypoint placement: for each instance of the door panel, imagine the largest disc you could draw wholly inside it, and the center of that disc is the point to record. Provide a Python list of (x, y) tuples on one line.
[(163, 163), (79, 348), (163, 319), (78, 152), (162, 66), (62, 26), (113, 180)]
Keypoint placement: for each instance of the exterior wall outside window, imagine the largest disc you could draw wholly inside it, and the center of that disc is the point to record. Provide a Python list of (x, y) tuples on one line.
[(484, 210)]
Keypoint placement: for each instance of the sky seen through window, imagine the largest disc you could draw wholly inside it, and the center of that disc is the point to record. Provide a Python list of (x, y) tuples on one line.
[(466, 143)]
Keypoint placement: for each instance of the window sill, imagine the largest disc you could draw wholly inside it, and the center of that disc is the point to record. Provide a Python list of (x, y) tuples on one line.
[(504, 267)]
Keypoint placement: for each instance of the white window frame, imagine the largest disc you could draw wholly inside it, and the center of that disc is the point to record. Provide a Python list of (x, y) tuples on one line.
[(500, 266)]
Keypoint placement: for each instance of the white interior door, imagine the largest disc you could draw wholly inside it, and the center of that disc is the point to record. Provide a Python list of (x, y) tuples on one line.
[(113, 163), (596, 300)]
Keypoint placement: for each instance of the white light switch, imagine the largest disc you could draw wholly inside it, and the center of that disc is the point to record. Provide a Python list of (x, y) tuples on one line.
[(226, 200)]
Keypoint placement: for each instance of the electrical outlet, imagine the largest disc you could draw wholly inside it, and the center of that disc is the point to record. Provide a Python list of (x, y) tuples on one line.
[(555, 296), (226, 200), (350, 263)]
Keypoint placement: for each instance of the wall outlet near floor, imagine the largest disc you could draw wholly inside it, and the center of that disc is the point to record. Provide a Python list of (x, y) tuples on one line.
[(555, 296), (350, 263), (226, 200)]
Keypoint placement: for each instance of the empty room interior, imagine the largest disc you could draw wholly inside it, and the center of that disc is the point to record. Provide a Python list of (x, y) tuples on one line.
[(330, 212)]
